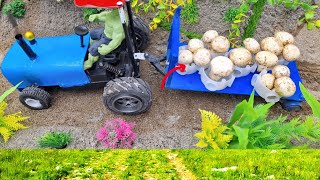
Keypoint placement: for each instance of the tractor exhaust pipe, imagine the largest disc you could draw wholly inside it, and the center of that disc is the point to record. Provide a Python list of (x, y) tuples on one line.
[(26, 48)]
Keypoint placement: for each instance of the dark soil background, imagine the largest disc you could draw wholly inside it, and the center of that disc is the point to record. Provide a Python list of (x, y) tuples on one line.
[(174, 117)]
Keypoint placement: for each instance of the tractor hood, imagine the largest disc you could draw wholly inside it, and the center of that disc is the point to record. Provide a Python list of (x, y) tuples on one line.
[(59, 62)]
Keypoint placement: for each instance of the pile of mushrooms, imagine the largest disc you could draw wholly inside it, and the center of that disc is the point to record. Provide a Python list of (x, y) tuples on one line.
[(279, 81), (280, 46)]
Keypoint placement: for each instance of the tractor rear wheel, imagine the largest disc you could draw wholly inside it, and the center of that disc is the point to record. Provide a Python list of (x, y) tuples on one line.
[(35, 98), (127, 95), (142, 32)]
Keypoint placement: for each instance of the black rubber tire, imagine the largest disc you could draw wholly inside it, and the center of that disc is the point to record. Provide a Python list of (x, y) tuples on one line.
[(142, 32), (121, 89), (35, 94)]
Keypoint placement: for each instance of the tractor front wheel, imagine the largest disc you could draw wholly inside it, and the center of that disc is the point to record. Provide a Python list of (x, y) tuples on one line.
[(127, 95), (35, 98)]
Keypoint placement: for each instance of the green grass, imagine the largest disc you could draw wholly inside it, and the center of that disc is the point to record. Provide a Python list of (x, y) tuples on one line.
[(146, 164)]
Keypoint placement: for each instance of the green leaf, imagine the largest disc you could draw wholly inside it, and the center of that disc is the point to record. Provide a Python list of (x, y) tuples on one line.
[(242, 134), (134, 3), (161, 6), (311, 100), (306, 6), (237, 113), (318, 23), (156, 20), (272, 2), (309, 15), (310, 25), (8, 92), (244, 8)]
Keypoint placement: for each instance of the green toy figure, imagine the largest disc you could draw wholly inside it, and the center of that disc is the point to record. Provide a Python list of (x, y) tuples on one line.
[(104, 40)]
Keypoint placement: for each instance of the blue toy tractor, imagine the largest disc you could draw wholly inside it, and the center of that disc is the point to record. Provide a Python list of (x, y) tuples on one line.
[(58, 61)]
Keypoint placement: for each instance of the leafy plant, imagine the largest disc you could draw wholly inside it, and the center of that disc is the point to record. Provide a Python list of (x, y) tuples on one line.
[(236, 21), (89, 11), (164, 9), (167, 27), (254, 19), (190, 13), (56, 140), (117, 133), (251, 129), (16, 8), (9, 123), (212, 132), (309, 10), (230, 14), (311, 100)]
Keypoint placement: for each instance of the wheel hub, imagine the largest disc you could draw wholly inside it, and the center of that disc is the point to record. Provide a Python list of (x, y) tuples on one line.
[(127, 103), (33, 103)]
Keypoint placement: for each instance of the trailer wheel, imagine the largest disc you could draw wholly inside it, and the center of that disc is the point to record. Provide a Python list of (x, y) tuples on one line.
[(291, 106), (142, 32), (127, 95), (35, 98)]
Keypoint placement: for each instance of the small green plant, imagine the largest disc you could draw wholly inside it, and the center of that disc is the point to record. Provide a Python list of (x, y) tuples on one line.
[(190, 13), (9, 123), (230, 14), (164, 9), (237, 16), (89, 11), (56, 140), (312, 101), (250, 128), (16, 8), (212, 132), (254, 19)]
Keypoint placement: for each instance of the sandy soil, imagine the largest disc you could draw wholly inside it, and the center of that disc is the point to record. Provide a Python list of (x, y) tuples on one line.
[(173, 117)]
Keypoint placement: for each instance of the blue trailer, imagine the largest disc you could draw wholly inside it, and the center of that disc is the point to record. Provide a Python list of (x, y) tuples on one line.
[(241, 86)]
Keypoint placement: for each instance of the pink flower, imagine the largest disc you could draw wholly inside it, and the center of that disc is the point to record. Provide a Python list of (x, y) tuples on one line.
[(117, 133)]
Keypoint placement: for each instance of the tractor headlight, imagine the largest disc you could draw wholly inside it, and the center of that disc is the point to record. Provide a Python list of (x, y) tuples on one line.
[(30, 36)]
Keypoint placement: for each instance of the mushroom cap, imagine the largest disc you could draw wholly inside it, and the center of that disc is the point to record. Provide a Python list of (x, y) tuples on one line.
[(209, 36), (185, 57), (272, 44), (252, 45), (284, 86), (221, 66), (266, 58), (202, 57), (268, 80), (240, 57), (195, 44), (281, 71), (284, 37), (291, 52), (220, 44)]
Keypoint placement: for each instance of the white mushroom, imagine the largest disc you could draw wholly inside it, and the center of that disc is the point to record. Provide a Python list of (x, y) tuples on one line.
[(240, 57), (291, 52), (220, 44), (202, 57), (284, 87), (268, 80), (209, 36), (272, 44), (252, 45), (221, 66), (266, 59), (284, 37), (185, 57), (195, 44), (281, 71)]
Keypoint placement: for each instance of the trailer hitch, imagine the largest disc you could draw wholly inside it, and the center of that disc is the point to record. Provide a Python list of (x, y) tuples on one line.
[(154, 61)]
